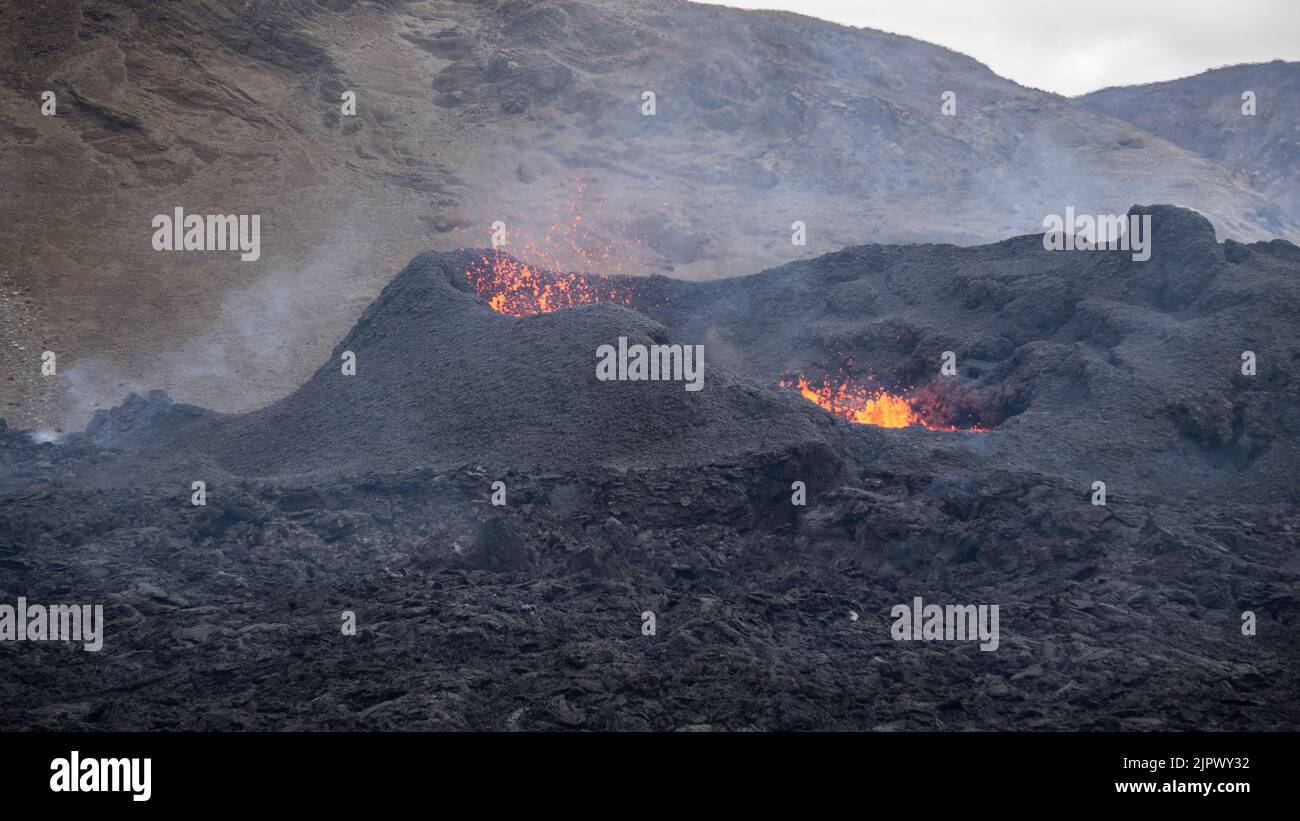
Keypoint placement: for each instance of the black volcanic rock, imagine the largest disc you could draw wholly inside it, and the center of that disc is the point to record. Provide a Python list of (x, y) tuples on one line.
[(370, 495), (1072, 356), (769, 616), (141, 419), (1188, 258)]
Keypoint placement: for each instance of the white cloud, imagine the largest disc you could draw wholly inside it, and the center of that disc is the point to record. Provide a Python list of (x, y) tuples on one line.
[(1073, 48)]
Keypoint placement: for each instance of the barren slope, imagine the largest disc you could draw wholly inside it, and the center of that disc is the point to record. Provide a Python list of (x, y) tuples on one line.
[(1204, 114), (525, 112)]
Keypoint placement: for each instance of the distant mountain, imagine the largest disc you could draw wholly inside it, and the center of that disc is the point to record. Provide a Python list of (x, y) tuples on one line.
[(1204, 114), (529, 113)]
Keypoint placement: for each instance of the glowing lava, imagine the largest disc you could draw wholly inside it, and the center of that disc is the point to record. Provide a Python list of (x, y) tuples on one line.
[(569, 242), (864, 404), (517, 289)]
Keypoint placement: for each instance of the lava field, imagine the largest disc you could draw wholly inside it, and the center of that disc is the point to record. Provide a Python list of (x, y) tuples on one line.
[(506, 528)]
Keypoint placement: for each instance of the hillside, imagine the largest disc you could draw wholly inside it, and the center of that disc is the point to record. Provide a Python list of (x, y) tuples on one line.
[(524, 112), (1204, 114)]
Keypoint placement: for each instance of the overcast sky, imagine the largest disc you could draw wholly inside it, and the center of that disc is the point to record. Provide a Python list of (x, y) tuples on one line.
[(1072, 48)]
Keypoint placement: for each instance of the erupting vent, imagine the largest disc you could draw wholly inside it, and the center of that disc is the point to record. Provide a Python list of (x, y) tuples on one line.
[(513, 288), (565, 242), (866, 404)]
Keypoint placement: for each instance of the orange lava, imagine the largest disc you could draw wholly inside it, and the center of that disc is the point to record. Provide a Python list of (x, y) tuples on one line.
[(864, 404), (565, 243), (514, 288)]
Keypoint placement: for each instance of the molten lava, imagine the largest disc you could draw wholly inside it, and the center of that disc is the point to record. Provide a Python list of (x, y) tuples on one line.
[(569, 242), (514, 288), (864, 404)]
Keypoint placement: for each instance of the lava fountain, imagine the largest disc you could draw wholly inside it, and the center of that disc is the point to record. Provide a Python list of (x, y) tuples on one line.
[(515, 288)]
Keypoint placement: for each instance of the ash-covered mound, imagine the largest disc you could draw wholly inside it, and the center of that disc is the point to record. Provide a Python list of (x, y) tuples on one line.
[(440, 379)]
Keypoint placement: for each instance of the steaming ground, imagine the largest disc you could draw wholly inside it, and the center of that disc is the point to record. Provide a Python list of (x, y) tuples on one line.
[(370, 493)]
